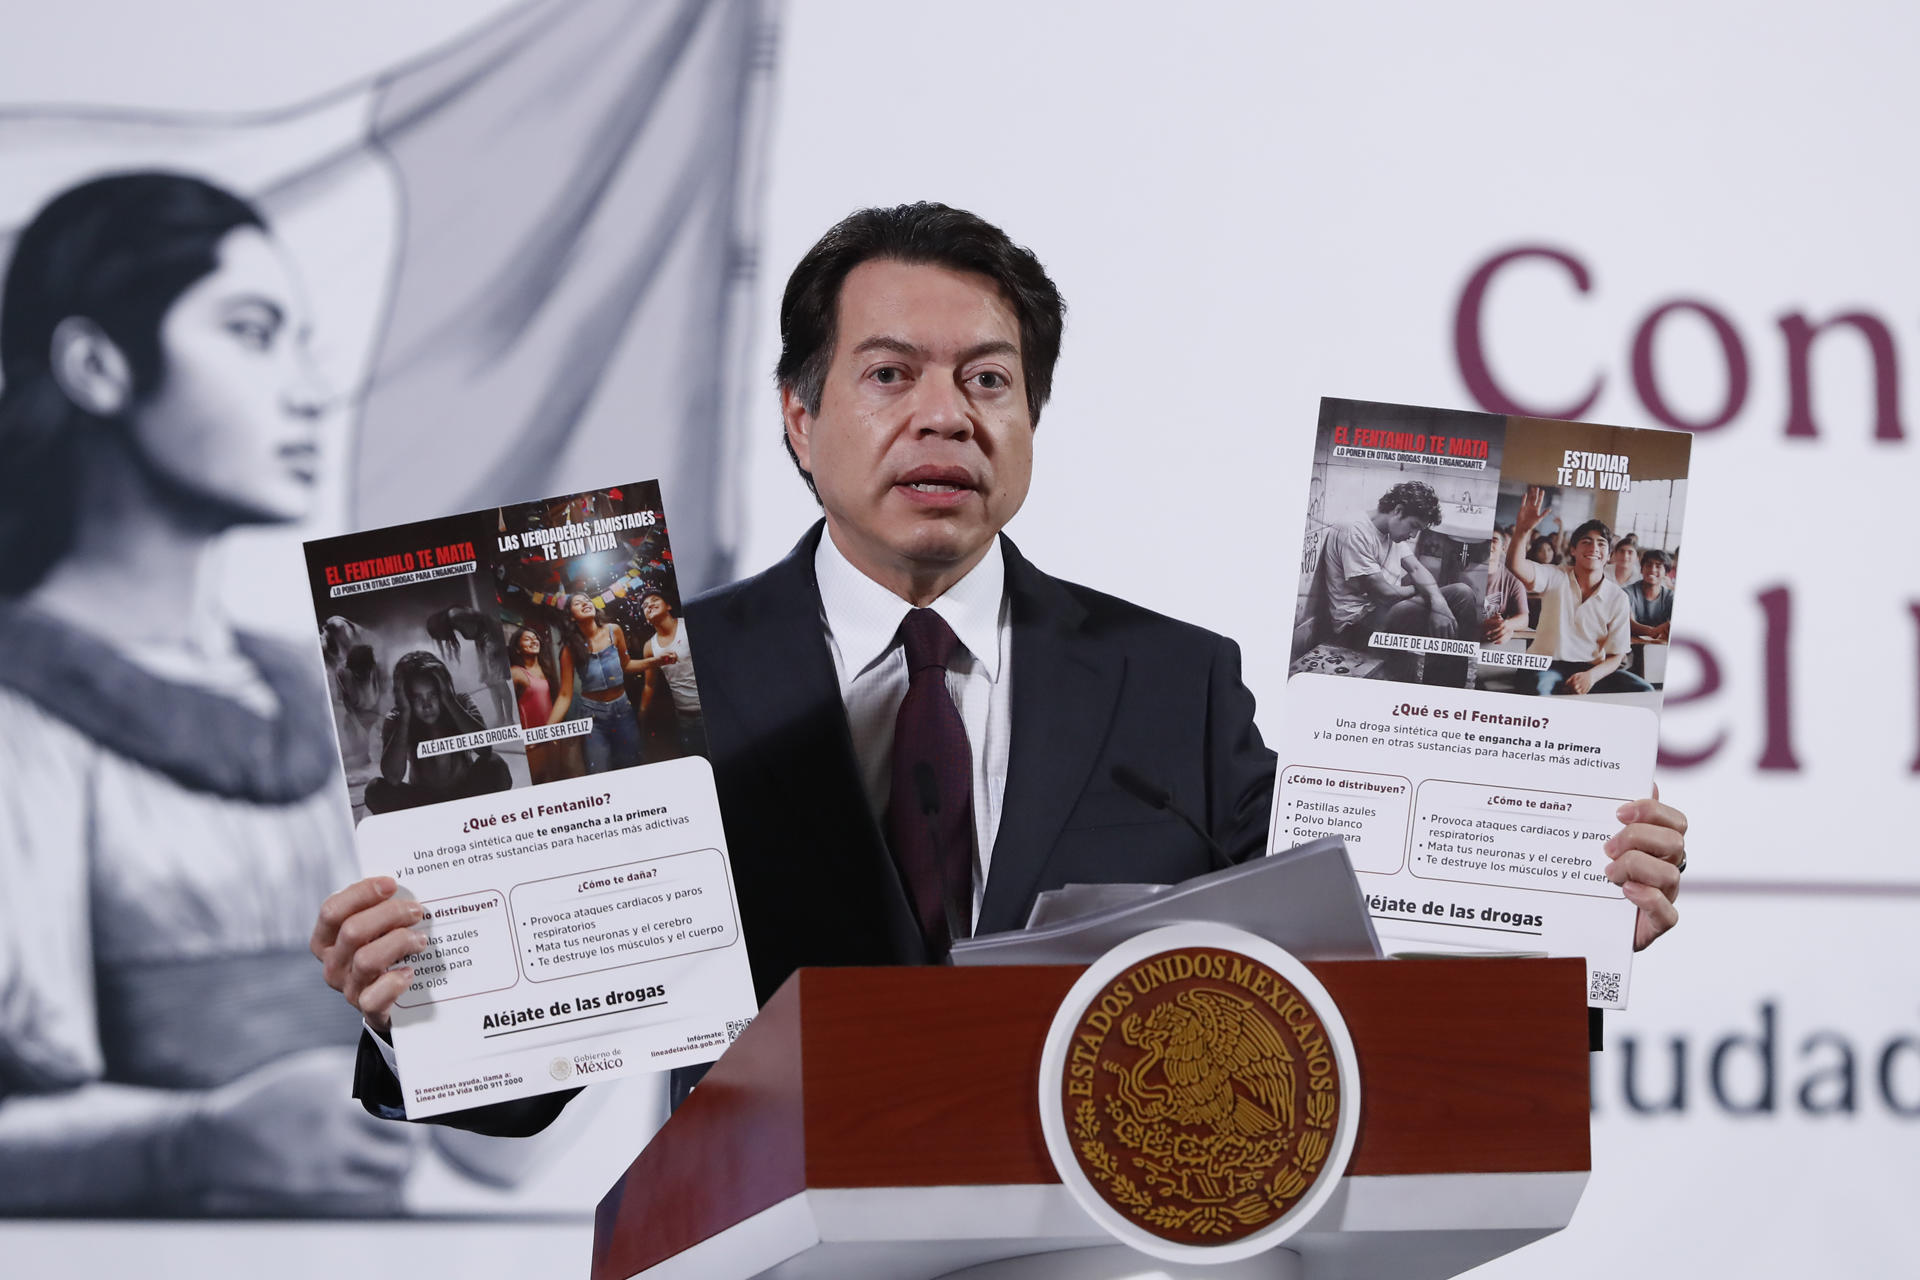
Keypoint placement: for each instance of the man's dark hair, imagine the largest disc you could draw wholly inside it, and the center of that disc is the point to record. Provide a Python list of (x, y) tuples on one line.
[(1412, 498), (1654, 555), (1591, 526), (924, 233)]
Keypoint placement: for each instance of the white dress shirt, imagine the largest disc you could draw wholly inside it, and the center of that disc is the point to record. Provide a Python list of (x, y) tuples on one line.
[(1580, 628), (862, 621)]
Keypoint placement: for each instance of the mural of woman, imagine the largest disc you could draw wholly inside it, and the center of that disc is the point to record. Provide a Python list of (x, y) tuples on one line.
[(169, 811)]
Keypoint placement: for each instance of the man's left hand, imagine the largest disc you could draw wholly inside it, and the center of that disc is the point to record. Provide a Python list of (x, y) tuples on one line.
[(1647, 854), (1580, 682)]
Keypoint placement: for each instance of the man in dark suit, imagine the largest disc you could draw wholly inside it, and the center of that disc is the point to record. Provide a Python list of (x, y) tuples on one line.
[(913, 730)]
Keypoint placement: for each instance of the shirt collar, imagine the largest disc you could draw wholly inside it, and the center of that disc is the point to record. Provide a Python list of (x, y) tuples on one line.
[(863, 617)]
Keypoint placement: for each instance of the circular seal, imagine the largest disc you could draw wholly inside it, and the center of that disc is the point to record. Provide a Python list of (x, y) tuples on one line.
[(560, 1068), (1199, 1093)]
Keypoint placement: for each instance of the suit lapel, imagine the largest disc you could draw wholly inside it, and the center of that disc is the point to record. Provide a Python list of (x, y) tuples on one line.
[(1065, 687), (780, 684)]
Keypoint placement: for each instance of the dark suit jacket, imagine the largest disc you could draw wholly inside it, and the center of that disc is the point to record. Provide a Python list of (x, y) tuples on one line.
[(1096, 682)]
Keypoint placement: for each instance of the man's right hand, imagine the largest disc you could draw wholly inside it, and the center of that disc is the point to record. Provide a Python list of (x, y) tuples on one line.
[(363, 931)]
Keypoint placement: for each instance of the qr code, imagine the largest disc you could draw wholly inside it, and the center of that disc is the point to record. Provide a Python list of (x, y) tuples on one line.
[(735, 1026), (1603, 987)]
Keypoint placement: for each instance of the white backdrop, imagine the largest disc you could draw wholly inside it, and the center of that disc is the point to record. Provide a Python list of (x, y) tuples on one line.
[(1251, 206)]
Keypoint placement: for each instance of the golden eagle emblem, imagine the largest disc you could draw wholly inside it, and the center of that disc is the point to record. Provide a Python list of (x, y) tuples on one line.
[(1205, 1042), (1201, 1095)]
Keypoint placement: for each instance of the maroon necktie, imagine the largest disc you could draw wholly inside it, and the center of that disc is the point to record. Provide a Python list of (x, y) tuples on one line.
[(930, 805)]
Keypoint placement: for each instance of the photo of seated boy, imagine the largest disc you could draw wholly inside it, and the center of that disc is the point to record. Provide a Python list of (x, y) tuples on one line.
[(1652, 600), (1504, 610), (1585, 616), (1376, 583)]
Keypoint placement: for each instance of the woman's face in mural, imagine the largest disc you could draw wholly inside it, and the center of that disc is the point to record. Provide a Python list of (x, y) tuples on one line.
[(529, 644), (581, 608), (235, 420)]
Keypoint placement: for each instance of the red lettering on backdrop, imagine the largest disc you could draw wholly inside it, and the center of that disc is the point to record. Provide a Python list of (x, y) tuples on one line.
[(1777, 604), (1731, 348), (1800, 334), (1776, 693), (1470, 351), (1470, 356), (1708, 686)]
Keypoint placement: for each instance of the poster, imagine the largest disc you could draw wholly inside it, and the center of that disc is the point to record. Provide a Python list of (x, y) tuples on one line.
[(519, 722), (1477, 664)]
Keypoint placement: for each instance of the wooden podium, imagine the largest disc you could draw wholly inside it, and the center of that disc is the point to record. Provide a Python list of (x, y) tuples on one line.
[(886, 1123)]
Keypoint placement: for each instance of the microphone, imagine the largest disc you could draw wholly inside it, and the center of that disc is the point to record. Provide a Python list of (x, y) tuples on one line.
[(927, 790), (1155, 796)]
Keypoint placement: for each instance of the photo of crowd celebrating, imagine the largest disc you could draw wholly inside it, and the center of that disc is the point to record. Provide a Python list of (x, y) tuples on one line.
[(1394, 579), (596, 641), (556, 651), (1584, 576)]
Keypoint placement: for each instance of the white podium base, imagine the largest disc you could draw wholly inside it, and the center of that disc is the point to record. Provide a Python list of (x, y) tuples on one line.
[(1117, 1262), (1411, 1227)]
